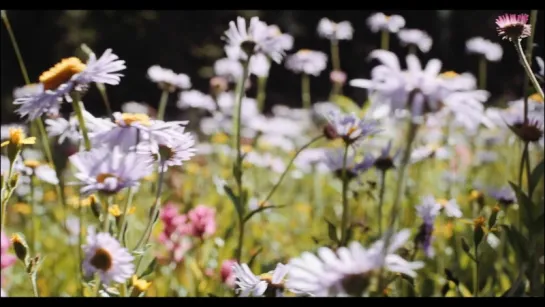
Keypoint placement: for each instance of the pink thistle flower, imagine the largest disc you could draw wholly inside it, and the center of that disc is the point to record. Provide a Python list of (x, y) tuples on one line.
[(174, 235), (513, 26), (226, 273), (203, 221), (6, 260)]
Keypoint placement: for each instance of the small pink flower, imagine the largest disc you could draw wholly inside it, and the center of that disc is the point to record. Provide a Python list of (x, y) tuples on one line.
[(203, 221), (338, 77), (227, 274), (513, 26), (6, 259)]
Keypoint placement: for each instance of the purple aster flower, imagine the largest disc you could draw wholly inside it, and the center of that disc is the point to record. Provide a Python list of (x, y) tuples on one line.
[(349, 127), (108, 171), (505, 196), (334, 160), (180, 147), (386, 161), (70, 74), (428, 211)]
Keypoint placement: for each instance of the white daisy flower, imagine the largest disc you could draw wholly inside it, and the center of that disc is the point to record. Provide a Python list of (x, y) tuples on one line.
[(335, 31), (226, 104), (168, 79), (415, 37), (422, 153), (196, 99), (137, 107), (539, 61), (283, 40), (228, 68), (63, 129), (27, 90), (31, 167), (493, 52), (268, 284), (171, 152), (451, 208), (70, 74), (105, 256), (254, 38), (260, 65), (347, 271), (276, 140), (380, 22), (307, 61), (350, 127)]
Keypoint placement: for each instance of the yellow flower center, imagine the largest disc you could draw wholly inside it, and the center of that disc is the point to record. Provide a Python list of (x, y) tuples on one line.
[(351, 130), (102, 259), (246, 148), (449, 74), (16, 239), (103, 176), (61, 73), (304, 51), (130, 118), (536, 97), (140, 284), (475, 194), (387, 17), (443, 202), (32, 163), (116, 211)]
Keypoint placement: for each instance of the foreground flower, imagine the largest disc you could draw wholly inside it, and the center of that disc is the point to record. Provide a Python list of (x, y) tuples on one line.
[(416, 38), (167, 79), (380, 22), (348, 270), (109, 171), (335, 31), (5, 130), (63, 129), (105, 255), (307, 61), (246, 41), (349, 127), (70, 74), (490, 50), (513, 26), (504, 196), (269, 284)]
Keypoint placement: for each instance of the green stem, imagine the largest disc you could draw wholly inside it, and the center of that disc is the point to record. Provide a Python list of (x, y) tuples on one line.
[(97, 285), (34, 217), (32, 278), (523, 158), (238, 166), (305, 90), (106, 214), (15, 47), (7, 188), (344, 218), (102, 90), (529, 74), (154, 211), (385, 40), (122, 220), (80, 242), (382, 189), (261, 92), (78, 109), (482, 73), (335, 55), (476, 283), (162, 105), (412, 49), (277, 184)]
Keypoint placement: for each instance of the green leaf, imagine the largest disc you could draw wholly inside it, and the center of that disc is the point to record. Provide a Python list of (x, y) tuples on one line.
[(234, 200), (332, 231), (466, 248), (346, 104), (450, 277), (254, 256), (525, 203), (518, 242), (536, 175), (150, 269), (517, 289), (492, 219)]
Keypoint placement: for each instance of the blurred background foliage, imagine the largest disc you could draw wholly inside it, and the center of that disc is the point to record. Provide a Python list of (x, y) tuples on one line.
[(190, 41)]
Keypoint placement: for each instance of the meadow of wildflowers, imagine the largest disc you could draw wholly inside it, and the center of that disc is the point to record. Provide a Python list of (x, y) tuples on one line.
[(424, 190)]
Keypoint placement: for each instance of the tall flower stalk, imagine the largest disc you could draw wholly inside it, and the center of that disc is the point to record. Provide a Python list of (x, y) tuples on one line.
[(482, 72), (344, 217), (385, 39), (162, 105), (305, 90)]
